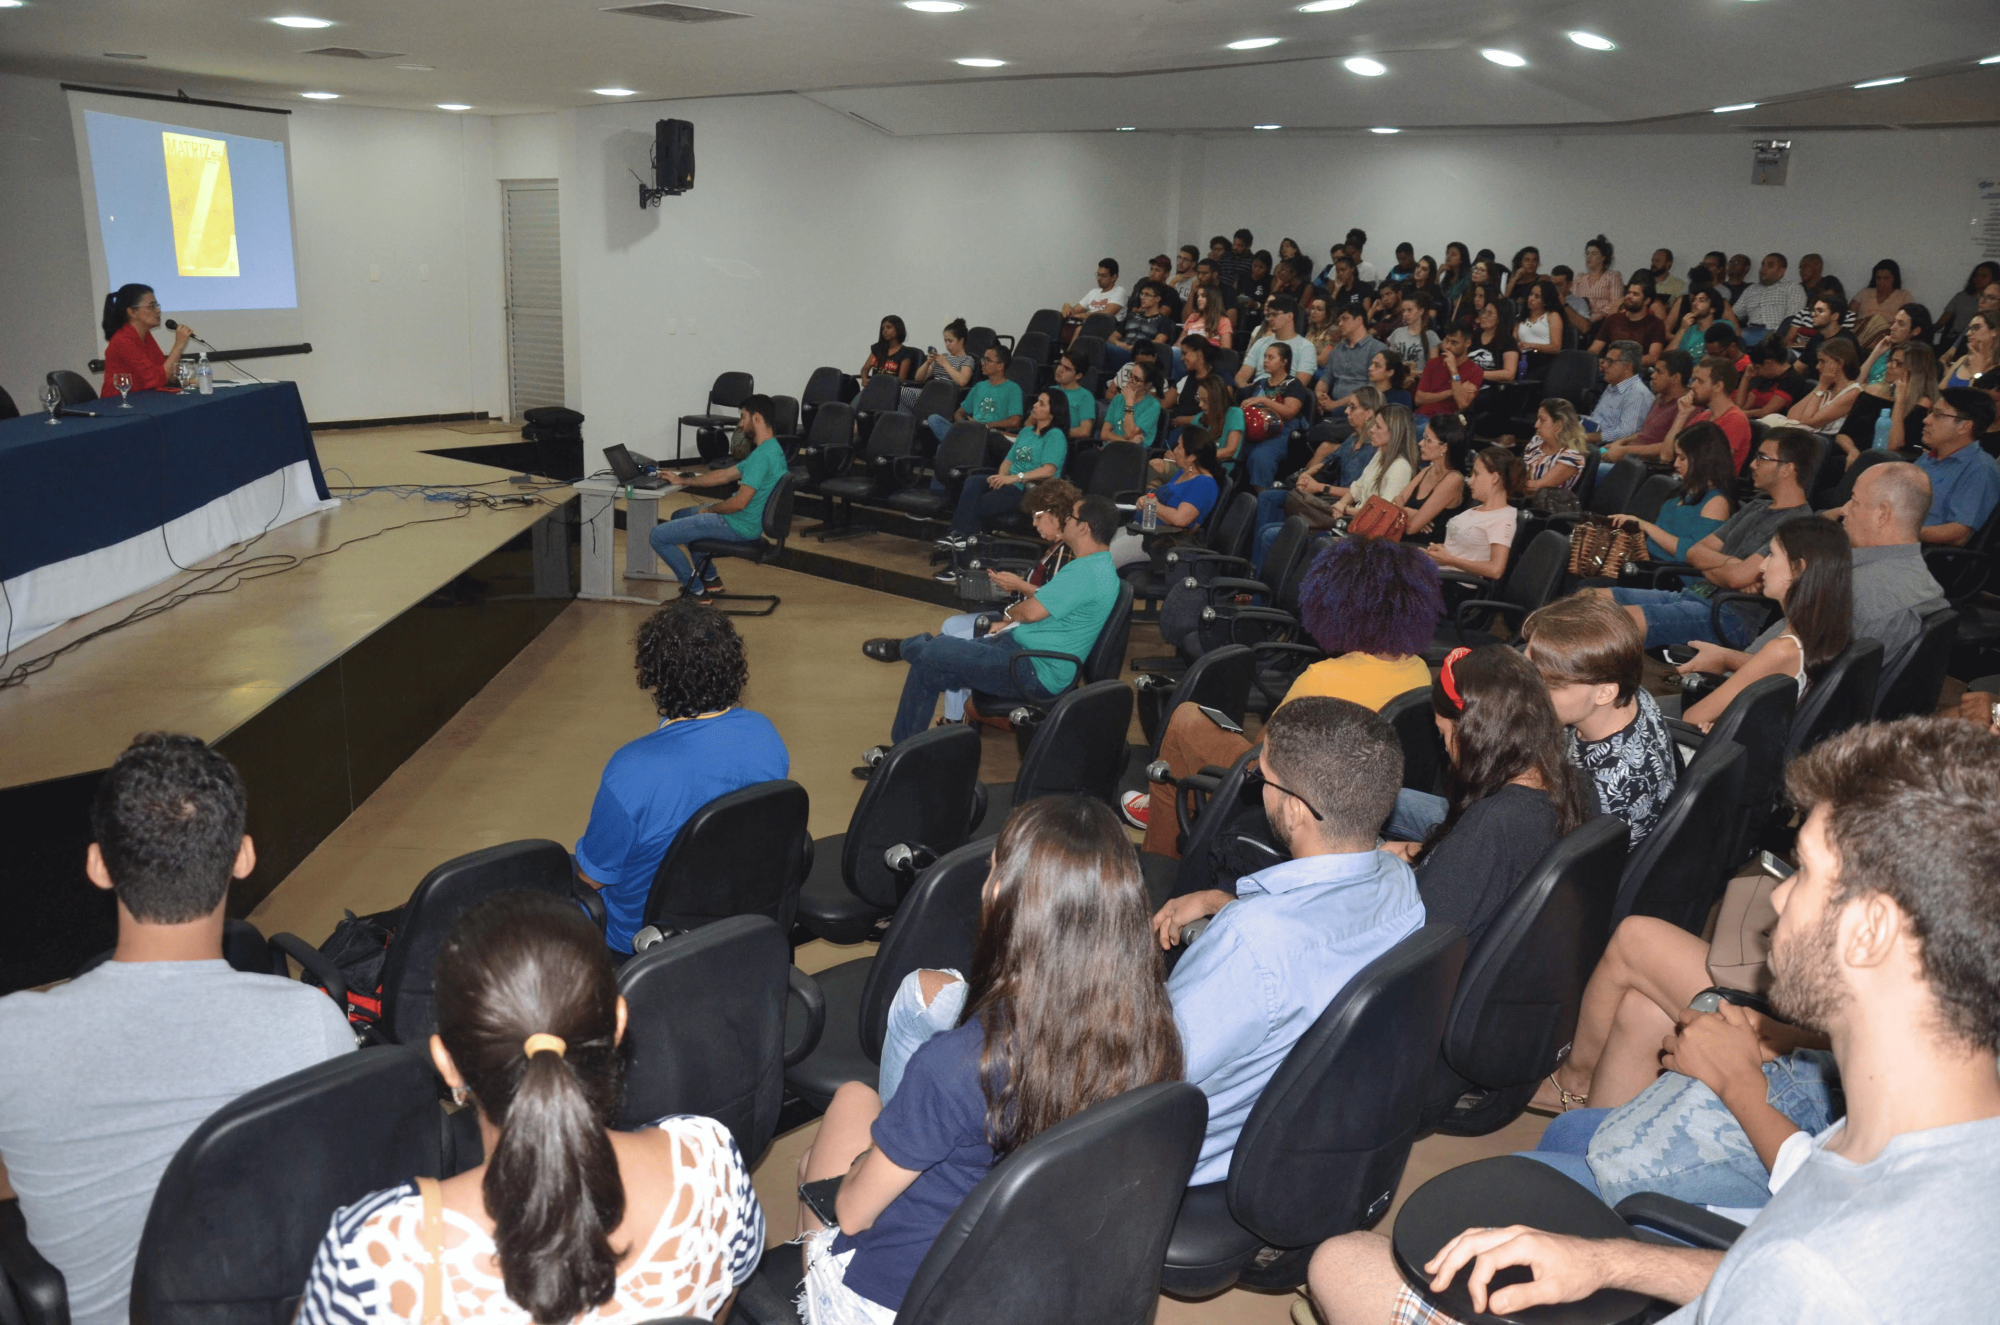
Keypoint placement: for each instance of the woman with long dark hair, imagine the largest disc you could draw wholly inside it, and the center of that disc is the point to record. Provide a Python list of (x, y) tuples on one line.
[(1810, 572), (1707, 471), (1066, 1006), (1884, 294), (1439, 490), (891, 354), (1958, 310), (1040, 451), (131, 312), (1911, 322), (565, 1217), (1456, 272)]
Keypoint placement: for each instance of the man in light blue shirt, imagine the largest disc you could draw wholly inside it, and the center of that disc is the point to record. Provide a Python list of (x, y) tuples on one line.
[(1965, 482), (1293, 935), (1627, 400)]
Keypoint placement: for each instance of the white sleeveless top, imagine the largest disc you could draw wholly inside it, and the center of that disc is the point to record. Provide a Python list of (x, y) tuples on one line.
[(706, 1243)]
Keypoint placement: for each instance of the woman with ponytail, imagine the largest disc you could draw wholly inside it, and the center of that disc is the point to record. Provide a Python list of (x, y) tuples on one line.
[(131, 312), (565, 1217)]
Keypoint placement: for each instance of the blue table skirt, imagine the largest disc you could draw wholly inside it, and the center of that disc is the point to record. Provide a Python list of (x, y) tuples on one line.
[(87, 484)]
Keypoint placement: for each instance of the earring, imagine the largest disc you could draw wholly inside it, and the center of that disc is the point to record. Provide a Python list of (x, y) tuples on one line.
[(459, 1095)]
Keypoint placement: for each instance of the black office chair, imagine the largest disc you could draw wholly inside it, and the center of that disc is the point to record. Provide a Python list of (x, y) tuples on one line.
[(1219, 679), (1680, 869), (1025, 373), (766, 548), (920, 804), (1089, 349), (827, 446), (743, 853), (1843, 697), (1572, 376), (1531, 583), (1219, 831), (1759, 719), (1221, 546), (728, 392), (243, 1206), (409, 1012), (1120, 468), (978, 340), (1325, 1145), (705, 1030), (937, 396), (935, 928), (824, 386), (75, 387), (1105, 662), (1911, 687), (1078, 748), (1045, 322), (959, 457), (784, 418), (1652, 495), (1616, 487), (891, 442), (1037, 348), (1415, 721), (1518, 998), (1098, 325), (1226, 621), (880, 394)]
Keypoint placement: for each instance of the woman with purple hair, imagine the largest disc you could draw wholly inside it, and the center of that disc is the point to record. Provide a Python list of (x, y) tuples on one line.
[(1373, 605)]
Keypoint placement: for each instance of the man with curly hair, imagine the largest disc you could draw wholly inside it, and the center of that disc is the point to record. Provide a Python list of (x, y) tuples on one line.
[(706, 746)]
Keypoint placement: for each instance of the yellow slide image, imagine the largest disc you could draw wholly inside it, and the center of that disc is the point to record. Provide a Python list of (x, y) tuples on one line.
[(204, 205)]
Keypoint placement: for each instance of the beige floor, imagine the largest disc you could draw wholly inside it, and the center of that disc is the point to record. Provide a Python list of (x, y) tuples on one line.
[(523, 757)]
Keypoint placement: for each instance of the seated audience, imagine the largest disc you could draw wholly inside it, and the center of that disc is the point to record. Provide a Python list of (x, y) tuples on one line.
[(1600, 283), (1132, 414), (1280, 316), (1182, 502), (1147, 320), (1859, 952), (890, 354), (1556, 454), (691, 658), (1255, 287), (1414, 340), (1479, 540), (1182, 398), (1634, 321), (1711, 398), (1182, 282), (1207, 321), (1669, 382), (1450, 380), (1885, 293), (1958, 310), (1047, 505), (1387, 374), (1825, 406), (1064, 1007), (739, 517), (1393, 439), (1893, 587), (1039, 452), (1063, 616), (1702, 308), (1357, 239), (107, 1074), (1334, 466), (1774, 384), (1661, 270), (1707, 476), (1965, 480), (1625, 402), (1772, 299), (1982, 345), (1540, 330), (1385, 314), (1810, 574), (565, 1218), (1107, 296), (1737, 278), (1232, 265), (1732, 557), (994, 401), (1526, 270), (1910, 385), (1371, 605), (1283, 401), (1911, 322), (1296, 932), (1069, 373), (1828, 319), (1510, 794), (1495, 350), (1589, 656), (952, 361), (1225, 436), (1439, 490)]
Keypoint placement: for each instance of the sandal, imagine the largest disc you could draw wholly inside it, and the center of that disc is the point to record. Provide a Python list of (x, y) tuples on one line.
[(1567, 1100)]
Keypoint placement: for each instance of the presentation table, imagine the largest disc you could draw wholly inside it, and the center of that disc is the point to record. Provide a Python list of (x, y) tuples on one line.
[(95, 509), (642, 512)]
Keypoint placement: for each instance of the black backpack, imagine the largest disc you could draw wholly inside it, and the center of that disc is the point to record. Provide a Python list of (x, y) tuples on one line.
[(358, 948)]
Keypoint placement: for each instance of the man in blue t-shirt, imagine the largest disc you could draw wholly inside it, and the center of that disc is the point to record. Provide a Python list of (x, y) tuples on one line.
[(691, 658), (1063, 616), (739, 517)]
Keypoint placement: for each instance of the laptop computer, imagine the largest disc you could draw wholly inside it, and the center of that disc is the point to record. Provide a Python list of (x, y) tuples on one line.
[(626, 470)]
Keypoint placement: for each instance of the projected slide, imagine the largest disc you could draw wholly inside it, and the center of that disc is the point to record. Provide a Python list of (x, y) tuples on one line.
[(203, 217)]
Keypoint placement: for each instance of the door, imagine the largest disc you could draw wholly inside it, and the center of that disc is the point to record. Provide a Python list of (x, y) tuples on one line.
[(534, 296)]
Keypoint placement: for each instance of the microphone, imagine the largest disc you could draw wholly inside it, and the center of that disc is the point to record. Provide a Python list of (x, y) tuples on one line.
[(172, 325)]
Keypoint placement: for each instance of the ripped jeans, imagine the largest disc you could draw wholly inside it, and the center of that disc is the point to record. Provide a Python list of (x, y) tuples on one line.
[(911, 1023)]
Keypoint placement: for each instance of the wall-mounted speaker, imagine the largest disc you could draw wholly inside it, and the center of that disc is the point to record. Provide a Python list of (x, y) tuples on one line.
[(673, 156)]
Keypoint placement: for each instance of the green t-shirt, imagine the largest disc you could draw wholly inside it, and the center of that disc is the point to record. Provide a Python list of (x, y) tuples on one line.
[(1147, 412), (1082, 406), (1079, 600), (1231, 422), (1032, 450), (761, 470), (988, 403)]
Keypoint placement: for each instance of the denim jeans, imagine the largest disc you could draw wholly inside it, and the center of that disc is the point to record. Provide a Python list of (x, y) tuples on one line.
[(1416, 813), (1270, 519), (688, 524), (978, 503), (939, 425), (1677, 616), (957, 627), (939, 663), (911, 1023), (1268, 456), (1566, 1143)]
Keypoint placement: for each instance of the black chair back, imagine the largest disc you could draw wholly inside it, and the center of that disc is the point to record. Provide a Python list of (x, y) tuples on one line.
[(824, 385), (832, 425), (1209, 849), (1220, 679), (778, 513), (935, 928), (963, 449), (743, 853), (1106, 659), (922, 794), (978, 340), (1843, 697), (1571, 374), (937, 396), (1079, 748), (1912, 685), (243, 1206), (1682, 865), (1317, 1157), (1652, 495), (1759, 720), (730, 391), (75, 387), (1616, 486), (1090, 350), (1517, 1001), (409, 1009), (705, 1029), (1121, 467), (1025, 373), (1037, 347), (1235, 527), (1088, 1204), (879, 394), (1286, 562), (1540, 573), (892, 438), (1045, 322), (1415, 721), (1097, 325), (1586, 483)]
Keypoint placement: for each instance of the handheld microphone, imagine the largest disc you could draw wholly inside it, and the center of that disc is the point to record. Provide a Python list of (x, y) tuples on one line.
[(172, 325)]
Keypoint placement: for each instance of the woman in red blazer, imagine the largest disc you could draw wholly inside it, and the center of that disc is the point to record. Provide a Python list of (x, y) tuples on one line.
[(130, 314)]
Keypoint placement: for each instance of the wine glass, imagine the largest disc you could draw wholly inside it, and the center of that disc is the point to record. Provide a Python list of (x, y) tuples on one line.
[(184, 371), (51, 397), (123, 381)]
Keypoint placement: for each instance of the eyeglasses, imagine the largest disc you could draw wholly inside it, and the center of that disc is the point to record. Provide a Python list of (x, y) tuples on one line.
[(1254, 779), (1949, 418), (1761, 458)]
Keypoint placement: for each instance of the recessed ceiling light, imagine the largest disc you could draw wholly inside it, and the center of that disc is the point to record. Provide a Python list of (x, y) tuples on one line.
[(1590, 41), (1367, 68), (1879, 82), (296, 21), (12, 4), (320, 96), (1267, 126), (613, 91), (1253, 43), (1126, 128), (1991, 59), (418, 68), (980, 62), (933, 6), (119, 55), (1742, 105), (1327, 6), (1383, 128), (1508, 58), (453, 105)]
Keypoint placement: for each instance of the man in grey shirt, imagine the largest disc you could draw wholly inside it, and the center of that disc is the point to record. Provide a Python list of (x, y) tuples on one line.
[(1888, 940), (106, 1075)]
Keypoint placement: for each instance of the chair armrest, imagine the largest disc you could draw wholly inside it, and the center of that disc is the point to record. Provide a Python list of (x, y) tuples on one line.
[(37, 1287), (811, 997), (1189, 555), (1276, 626), (315, 963), (1660, 570), (1684, 733), (1030, 549), (1229, 584), (1260, 678), (591, 901), (906, 468), (1472, 605), (1715, 608), (1076, 678), (1960, 571), (1677, 1219)]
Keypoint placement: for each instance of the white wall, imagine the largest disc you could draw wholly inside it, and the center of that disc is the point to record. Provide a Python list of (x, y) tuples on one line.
[(44, 270), (1854, 197)]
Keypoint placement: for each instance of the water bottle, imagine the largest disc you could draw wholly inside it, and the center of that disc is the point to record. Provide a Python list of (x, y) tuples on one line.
[(204, 376), (1149, 516)]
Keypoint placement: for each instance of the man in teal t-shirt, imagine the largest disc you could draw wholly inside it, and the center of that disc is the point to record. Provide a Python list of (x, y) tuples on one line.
[(995, 402), (739, 517), (1066, 615), (1082, 405)]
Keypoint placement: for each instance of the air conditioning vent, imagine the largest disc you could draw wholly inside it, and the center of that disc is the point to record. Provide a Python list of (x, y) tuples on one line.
[(351, 53), (673, 13)]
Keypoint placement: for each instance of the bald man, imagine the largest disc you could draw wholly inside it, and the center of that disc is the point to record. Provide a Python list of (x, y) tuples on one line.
[(1893, 589)]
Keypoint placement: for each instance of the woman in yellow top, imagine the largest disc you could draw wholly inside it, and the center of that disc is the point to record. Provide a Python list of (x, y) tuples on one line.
[(1373, 606)]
